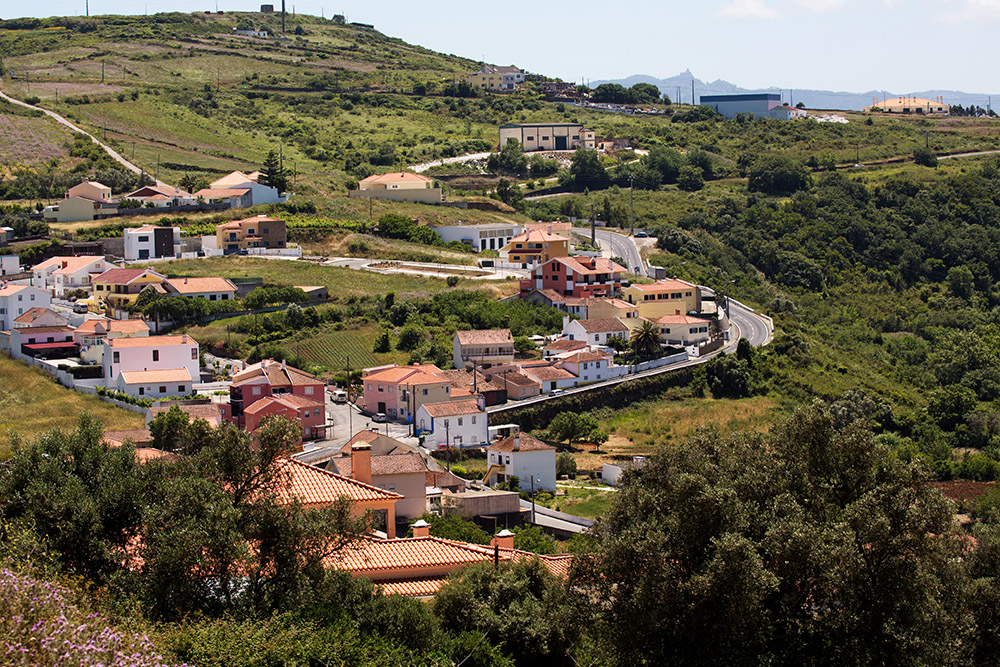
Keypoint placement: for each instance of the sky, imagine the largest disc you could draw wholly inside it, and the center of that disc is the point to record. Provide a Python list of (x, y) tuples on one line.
[(900, 46)]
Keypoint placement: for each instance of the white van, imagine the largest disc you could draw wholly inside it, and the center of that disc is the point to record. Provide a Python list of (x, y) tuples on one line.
[(339, 395)]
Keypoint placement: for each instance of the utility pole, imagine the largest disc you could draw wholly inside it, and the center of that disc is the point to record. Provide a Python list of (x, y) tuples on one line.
[(157, 179), (88, 7), (631, 204), (282, 17), (447, 445), (532, 499), (692, 91), (102, 71)]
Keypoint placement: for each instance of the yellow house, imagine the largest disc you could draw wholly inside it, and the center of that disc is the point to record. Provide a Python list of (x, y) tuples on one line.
[(664, 297), (535, 247), (90, 190), (116, 288), (398, 186)]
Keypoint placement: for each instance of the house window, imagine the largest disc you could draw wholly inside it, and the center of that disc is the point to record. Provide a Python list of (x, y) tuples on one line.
[(143, 239), (309, 391), (460, 421), (597, 337), (425, 392), (381, 388), (508, 460), (156, 355), (369, 387), (115, 355), (392, 389), (180, 389), (212, 297), (256, 391), (194, 353), (392, 486), (32, 297), (447, 423), (316, 412), (529, 138), (163, 389), (142, 391), (473, 419)]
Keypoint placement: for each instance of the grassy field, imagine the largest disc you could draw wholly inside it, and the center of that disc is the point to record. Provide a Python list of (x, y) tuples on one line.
[(589, 503), (31, 402)]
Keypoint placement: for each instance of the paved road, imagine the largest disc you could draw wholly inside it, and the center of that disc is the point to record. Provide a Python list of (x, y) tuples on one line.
[(59, 119), (622, 246), (755, 328)]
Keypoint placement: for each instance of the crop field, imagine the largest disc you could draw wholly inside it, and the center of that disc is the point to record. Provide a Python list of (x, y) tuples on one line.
[(332, 348), (30, 141)]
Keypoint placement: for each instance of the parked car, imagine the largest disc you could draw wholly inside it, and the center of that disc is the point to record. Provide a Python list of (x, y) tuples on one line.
[(556, 392), (80, 308), (339, 395), (641, 235), (380, 418)]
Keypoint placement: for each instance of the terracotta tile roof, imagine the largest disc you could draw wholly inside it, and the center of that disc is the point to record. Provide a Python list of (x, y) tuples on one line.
[(315, 486), (13, 289), (221, 193), (27, 331), (668, 285), (566, 344), (231, 179), (159, 189), (453, 408), (537, 236), (236, 224), (681, 319), (586, 266), (413, 588), (138, 436), (528, 444), (397, 177), (484, 337), (210, 412), (125, 276), (276, 373), (548, 373), (581, 357), (65, 265), (89, 327), (168, 375), (370, 556), (443, 479), (462, 380), (33, 314), (617, 303), (552, 295), (199, 285), (146, 454), (520, 379), (424, 374), (151, 341), (602, 325), (288, 400), (398, 464)]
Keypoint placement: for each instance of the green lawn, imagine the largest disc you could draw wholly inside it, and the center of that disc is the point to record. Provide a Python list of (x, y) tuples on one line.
[(31, 403), (588, 503)]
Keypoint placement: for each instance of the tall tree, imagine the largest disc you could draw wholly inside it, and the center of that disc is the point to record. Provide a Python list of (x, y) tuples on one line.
[(645, 339), (273, 173)]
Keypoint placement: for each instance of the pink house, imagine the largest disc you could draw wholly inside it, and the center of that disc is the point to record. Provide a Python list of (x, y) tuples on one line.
[(398, 391), (309, 413)]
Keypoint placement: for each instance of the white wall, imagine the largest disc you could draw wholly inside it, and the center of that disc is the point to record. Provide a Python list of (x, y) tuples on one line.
[(152, 390), (17, 304), (9, 264), (473, 430), (539, 462), (141, 358)]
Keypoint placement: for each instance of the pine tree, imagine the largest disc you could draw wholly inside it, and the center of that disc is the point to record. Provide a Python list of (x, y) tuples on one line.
[(273, 173)]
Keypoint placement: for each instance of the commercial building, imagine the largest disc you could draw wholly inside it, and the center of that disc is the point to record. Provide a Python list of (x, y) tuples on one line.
[(486, 236), (765, 105), (398, 186), (548, 136), (259, 231), (910, 105), (149, 242)]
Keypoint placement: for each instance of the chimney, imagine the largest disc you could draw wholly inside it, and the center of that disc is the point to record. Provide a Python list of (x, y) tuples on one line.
[(504, 539), (284, 365), (517, 441), (481, 401), (421, 529), (361, 463)]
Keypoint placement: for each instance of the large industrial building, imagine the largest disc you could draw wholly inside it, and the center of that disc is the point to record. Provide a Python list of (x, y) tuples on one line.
[(548, 136), (764, 105), (917, 105)]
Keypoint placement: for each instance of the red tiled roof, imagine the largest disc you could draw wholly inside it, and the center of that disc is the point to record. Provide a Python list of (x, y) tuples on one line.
[(139, 436), (199, 285), (586, 266), (484, 337), (152, 341), (413, 588), (581, 357), (49, 346), (124, 276), (276, 374), (423, 374), (221, 193), (602, 325), (519, 379), (398, 464), (680, 319), (548, 373), (666, 286), (33, 314), (168, 375), (566, 344), (537, 236), (236, 224), (397, 177), (315, 486), (453, 408), (89, 327), (288, 400), (370, 555), (528, 444)]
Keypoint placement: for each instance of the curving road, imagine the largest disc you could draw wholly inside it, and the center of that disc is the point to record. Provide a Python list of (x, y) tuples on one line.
[(59, 119), (621, 246)]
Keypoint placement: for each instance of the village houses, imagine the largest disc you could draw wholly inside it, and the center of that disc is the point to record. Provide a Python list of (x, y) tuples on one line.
[(15, 300), (272, 378), (522, 456), (576, 276), (399, 391), (462, 423), (664, 297), (482, 348), (61, 275)]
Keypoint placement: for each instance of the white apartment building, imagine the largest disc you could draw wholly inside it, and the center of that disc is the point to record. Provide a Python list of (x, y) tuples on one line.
[(16, 300), (149, 242), (149, 353), (453, 424), (487, 236), (62, 275), (522, 456)]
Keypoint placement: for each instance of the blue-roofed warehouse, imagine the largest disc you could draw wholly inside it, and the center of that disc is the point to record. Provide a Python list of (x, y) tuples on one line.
[(767, 105)]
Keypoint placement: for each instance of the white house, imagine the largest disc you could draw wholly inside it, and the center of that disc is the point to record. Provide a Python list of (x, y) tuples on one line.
[(9, 265), (522, 456), (39, 317), (591, 366), (61, 275), (212, 288), (486, 236), (92, 333), (155, 384), (149, 353), (595, 332), (149, 242), (161, 196), (16, 300), (610, 472), (259, 194), (453, 424), (683, 330)]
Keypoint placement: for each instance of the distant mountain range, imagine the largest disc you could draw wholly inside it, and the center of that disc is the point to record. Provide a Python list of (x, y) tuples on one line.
[(679, 89)]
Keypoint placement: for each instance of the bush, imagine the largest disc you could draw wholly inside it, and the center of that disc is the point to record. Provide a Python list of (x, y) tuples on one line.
[(451, 281), (566, 465)]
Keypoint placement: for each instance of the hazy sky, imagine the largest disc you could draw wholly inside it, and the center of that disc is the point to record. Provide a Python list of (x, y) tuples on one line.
[(853, 45)]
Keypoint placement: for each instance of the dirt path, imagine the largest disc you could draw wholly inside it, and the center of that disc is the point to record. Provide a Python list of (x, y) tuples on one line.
[(59, 119)]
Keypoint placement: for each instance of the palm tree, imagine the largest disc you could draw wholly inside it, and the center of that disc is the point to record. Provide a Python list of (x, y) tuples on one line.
[(645, 339)]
